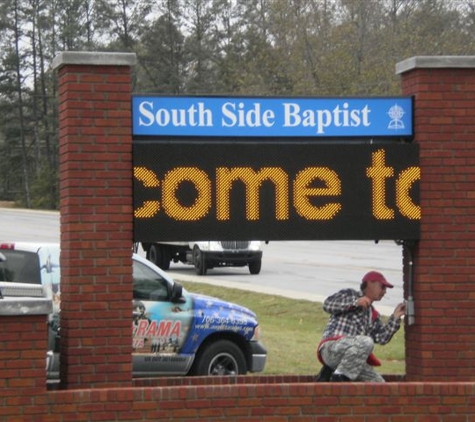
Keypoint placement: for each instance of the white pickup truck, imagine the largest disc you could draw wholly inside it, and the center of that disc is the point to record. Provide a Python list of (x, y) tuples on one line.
[(207, 254)]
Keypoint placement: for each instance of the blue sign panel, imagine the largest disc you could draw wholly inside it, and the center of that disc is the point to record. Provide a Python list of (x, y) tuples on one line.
[(272, 117)]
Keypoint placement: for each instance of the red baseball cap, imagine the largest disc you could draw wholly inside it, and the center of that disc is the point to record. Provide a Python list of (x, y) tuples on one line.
[(377, 276)]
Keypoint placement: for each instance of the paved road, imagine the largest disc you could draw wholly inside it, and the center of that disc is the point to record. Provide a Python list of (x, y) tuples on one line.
[(298, 269), (312, 270)]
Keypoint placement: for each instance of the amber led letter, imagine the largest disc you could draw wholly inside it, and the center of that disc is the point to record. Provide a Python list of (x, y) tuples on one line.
[(403, 200), (379, 173), (170, 185), (150, 180), (302, 193), (253, 181)]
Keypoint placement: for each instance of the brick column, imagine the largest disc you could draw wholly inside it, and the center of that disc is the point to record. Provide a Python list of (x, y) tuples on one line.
[(441, 344), (96, 218), (23, 345)]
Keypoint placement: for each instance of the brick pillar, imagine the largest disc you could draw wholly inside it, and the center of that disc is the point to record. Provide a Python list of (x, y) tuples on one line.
[(23, 345), (96, 218), (441, 344)]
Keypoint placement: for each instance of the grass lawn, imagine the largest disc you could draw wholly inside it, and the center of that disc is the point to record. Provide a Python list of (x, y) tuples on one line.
[(291, 329)]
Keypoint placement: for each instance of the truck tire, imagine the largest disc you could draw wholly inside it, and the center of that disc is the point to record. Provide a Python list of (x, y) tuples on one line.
[(255, 267), (152, 254), (199, 261), (159, 255), (223, 357), (166, 257)]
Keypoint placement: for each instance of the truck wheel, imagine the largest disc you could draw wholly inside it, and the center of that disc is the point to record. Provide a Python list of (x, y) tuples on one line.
[(222, 357), (199, 261), (159, 255), (166, 258), (255, 267), (153, 255)]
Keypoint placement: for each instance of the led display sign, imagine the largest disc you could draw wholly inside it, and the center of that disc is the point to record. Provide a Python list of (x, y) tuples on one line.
[(275, 190)]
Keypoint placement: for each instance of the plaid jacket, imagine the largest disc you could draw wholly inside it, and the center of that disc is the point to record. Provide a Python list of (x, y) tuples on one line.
[(346, 319)]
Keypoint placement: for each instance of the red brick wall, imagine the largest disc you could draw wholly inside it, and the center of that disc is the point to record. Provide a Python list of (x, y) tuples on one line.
[(441, 344), (252, 399), (22, 362), (22, 353)]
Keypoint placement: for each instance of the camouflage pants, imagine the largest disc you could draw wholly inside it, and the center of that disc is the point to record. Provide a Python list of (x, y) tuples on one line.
[(348, 355)]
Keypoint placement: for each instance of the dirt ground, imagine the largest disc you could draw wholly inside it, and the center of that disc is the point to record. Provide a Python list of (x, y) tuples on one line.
[(7, 204)]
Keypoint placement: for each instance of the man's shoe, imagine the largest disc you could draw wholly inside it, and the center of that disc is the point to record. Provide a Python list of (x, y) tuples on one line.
[(339, 378), (325, 374)]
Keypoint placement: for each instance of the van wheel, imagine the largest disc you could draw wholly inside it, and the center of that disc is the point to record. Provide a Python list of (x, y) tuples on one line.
[(255, 267), (222, 357), (199, 261)]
